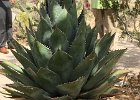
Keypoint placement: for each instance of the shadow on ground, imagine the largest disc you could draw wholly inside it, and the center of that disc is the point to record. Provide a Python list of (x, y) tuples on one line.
[(131, 59)]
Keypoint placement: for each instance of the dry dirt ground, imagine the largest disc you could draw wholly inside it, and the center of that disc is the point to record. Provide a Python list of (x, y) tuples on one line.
[(131, 59)]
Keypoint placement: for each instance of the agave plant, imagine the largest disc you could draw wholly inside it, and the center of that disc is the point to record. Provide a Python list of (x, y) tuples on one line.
[(64, 61)]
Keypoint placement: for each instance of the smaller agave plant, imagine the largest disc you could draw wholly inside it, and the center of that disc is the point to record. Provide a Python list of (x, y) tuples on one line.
[(64, 61)]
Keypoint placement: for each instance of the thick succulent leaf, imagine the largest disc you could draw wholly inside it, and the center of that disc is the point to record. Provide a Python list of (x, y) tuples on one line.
[(111, 91), (91, 40), (104, 71), (58, 40), (111, 80), (116, 74), (4, 72), (60, 63), (47, 18), (21, 77), (41, 54), (61, 19), (7, 73), (19, 48), (102, 47), (44, 31), (32, 92), (13, 93), (89, 29), (62, 98), (105, 60), (30, 55), (60, 2), (57, 14), (72, 88), (82, 28), (74, 19), (68, 28), (81, 16), (78, 45), (12, 66), (85, 96), (29, 30), (44, 78), (24, 61), (91, 95), (12, 77), (108, 84), (30, 39), (30, 27), (33, 76), (43, 9), (49, 80), (84, 68), (68, 4)]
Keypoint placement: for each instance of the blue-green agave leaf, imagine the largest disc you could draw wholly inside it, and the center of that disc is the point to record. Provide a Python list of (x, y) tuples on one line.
[(111, 92), (85, 67), (68, 4), (82, 28), (104, 71), (61, 19), (72, 88), (47, 18), (89, 29), (41, 54), (60, 63), (42, 10), (73, 16), (105, 60), (111, 80), (102, 47), (16, 75), (58, 40), (62, 98), (20, 49), (116, 74), (24, 61), (29, 30), (30, 39), (13, 93), (12, 66), (49, 80), (78, 45), (32, 75), (29, 52), (68, 28), (108, 84), (91, 40), (57, 14), (7, 73), (81, 16), (44, 31), (32, 92), (4, 72)]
